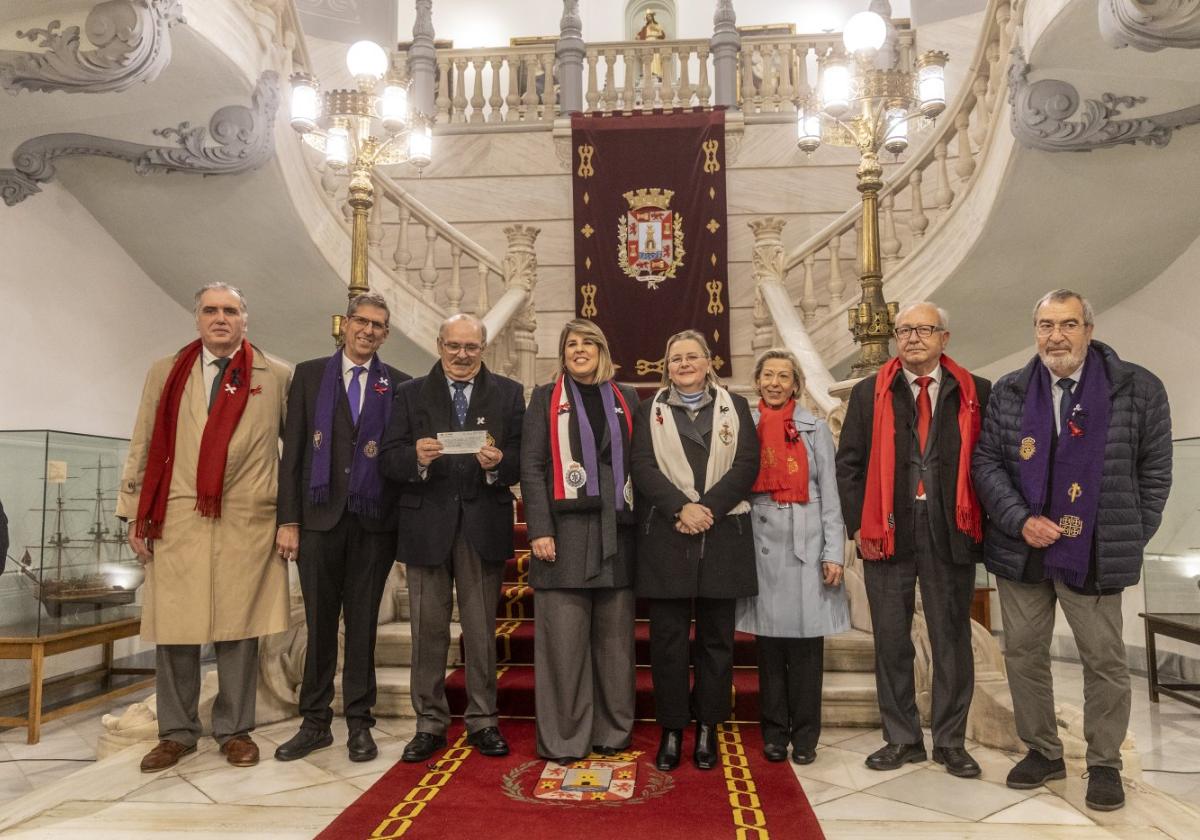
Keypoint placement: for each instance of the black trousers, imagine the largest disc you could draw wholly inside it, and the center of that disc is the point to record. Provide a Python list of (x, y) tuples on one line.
[(946, 592), (711, 658), (342, 571), (790, 674)]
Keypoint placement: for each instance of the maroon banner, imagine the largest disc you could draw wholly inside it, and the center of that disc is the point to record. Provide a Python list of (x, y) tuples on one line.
[(650, 244)]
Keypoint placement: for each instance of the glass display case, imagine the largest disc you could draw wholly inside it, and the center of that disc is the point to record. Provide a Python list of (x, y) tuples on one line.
[(68, 565)]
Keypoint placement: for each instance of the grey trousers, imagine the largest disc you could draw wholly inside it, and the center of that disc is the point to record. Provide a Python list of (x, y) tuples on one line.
[(177, 681), (583, 670), (430, 591), (946, 592), (1095, 620)]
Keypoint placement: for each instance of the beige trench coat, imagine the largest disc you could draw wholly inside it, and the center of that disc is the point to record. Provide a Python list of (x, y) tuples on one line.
[(214, 579)]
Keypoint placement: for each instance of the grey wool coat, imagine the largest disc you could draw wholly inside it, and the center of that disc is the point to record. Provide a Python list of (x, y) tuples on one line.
[(580, 561), (791, 541)]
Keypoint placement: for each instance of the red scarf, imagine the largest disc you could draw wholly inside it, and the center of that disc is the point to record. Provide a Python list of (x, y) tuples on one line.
[(223, 418), (783, 460), (878, 519)]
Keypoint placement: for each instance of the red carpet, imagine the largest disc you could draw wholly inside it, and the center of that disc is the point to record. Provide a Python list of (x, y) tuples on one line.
[(462, 794)]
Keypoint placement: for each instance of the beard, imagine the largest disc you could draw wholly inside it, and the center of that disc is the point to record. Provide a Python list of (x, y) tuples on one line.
[(1064, 365)]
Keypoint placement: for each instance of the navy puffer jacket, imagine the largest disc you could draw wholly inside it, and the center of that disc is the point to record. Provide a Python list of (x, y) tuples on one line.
[(1136, 479)]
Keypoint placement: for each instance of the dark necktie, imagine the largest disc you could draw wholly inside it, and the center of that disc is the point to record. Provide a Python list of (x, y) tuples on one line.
[(216, 386), (1064, 403), (924, 420), (460, 403), (354, 392)]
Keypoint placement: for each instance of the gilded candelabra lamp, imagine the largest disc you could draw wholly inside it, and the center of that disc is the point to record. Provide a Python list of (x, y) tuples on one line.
[(862, 106), (357, 130)]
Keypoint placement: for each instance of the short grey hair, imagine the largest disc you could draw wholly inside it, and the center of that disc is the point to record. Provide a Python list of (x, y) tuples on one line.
[(1061, 296), (943, 315), (787, 356), (465, 316), (222, 286), (370, 299)]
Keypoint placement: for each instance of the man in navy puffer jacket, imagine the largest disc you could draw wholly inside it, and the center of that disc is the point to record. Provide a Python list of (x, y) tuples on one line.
[(1073, 468)]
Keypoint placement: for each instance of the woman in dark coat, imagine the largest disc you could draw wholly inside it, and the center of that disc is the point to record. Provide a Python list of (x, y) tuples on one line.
[(575, 481), (695, 458)]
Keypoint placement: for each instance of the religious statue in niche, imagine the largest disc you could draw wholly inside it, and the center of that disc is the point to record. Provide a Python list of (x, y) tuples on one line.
[(652, 31)]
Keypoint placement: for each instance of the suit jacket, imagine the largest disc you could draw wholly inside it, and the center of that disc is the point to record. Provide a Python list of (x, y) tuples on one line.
[(455, 493), (295, 469), (854, 452)]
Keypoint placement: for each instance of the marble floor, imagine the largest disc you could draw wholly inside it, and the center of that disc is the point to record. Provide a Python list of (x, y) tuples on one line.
[(56, 790)]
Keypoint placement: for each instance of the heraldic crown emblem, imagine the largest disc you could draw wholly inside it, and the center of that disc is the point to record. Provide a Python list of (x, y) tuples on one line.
[(650, 237)]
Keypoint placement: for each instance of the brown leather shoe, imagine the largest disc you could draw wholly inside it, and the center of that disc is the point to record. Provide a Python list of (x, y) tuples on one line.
[(241, 751), (166, 754)]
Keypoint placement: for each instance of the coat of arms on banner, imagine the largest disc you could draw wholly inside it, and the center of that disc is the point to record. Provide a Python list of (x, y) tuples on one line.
[(587, 781), (650, 237)]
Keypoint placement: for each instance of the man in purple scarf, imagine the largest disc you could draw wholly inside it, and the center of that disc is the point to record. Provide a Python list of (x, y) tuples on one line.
[(1073, 468), (337, 520)]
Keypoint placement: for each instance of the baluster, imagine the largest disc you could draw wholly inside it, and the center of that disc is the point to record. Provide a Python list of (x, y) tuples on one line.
[(513, 98), (495, 100), (593, 95), (549, 92), (748, 85), (329, 180), (943, 195), (785, 89), (429, 269), (1003, 20), (647, 56), (770, 88), (454, 294), (837, 284), (995, 81), (979, 130), (443, 95), (482, 304), (965, 165), (460, 91), (705, 90), (917, 220), (673, 97), (808, 300), (609, 100), (889, 242), (529, 102), (402, 255), (631, 64), (375, 225), (477, 100), (685, 83), (906, 48)]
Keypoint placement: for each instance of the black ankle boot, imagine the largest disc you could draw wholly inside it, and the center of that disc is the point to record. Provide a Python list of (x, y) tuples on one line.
[(705, 754), (668, 749)]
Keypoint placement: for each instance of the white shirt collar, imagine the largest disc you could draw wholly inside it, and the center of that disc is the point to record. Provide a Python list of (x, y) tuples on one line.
[(936, 373), (1076, 376), (210, 357), (348, 364)]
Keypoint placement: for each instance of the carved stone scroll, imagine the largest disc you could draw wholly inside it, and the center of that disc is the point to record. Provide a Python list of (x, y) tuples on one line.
[(1151, 25)]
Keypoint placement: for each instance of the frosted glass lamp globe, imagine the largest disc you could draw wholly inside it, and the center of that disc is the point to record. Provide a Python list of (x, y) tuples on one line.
[(366, 58), (864, 33)]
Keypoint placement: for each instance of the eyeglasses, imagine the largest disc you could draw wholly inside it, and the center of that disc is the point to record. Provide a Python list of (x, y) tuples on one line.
[(362, 323), (454, 348), (690, 358), (923, 330), (1047, 328)]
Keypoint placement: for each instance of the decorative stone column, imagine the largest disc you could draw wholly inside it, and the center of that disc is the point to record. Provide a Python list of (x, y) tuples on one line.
[(520, 273), (570, 51), (768, 258), (725, 44), (422, 60)]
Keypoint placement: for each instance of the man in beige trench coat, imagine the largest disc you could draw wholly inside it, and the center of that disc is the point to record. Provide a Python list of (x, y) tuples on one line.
[(198, 490)]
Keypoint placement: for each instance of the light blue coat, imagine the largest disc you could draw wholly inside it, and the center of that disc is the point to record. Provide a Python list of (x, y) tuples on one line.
[(791, 541)]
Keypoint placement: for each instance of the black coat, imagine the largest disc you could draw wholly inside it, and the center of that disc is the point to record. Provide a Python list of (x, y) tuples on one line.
[(854, 452), (456, 493), (1133, 490), (716, 564), (295, 468)]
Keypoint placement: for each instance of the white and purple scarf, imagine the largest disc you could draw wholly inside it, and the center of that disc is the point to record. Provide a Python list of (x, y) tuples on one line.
[(576, 452)]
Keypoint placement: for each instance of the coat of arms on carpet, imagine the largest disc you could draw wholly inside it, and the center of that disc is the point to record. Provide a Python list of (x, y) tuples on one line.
[(611, 780)]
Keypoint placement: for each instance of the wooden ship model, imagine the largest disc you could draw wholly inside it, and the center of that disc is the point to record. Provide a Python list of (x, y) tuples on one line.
[(85, 573)]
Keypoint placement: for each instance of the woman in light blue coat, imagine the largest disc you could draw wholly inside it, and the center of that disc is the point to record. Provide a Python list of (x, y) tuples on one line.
[(798, 543)]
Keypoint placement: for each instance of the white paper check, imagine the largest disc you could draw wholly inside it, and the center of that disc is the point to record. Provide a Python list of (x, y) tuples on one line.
[(462, 443)]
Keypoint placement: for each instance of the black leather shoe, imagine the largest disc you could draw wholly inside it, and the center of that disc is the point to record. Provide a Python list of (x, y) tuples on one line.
[(669, 748), (894, 756), (775, 752), (958, 762), (422, 746), (361, 745), (1104, 790), (800, 756), (601, 749), (302, 743), (489, 741), (1034, 770), (704, 756)]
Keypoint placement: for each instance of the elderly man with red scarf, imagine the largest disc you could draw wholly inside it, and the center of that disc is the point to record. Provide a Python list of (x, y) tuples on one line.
[(903, 469), (198, 490)]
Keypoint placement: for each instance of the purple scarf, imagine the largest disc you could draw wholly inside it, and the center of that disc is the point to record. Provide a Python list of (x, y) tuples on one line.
[(1074, 486), (587, 443), (366, 484)]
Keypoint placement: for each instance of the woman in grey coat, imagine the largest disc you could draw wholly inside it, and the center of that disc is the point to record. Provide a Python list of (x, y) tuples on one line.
[(575, 481), (798, 545)]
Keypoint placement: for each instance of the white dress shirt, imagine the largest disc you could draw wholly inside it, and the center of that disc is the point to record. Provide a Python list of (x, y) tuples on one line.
[(1057, 393), (210, 369), (936, 375), (348, 373)]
